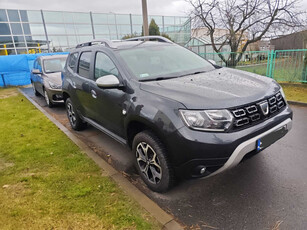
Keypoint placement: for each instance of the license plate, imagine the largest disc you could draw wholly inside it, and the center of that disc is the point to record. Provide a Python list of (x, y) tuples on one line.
[(270, 138)]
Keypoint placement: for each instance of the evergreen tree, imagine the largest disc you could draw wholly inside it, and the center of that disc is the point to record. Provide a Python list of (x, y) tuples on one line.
[(153, 28)]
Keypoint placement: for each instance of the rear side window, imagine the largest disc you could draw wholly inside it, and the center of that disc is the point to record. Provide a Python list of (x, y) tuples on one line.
[(72, 60), (104, 66), (84, 64)]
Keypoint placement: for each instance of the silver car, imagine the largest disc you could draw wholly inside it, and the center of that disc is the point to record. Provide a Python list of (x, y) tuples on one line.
[(46, 78)]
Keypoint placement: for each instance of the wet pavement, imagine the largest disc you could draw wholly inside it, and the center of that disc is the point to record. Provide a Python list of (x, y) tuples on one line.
[(267, 191)]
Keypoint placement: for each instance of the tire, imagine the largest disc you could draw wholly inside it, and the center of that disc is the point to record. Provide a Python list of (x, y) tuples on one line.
[(74, 119), (47, 99), (36, 93), (152, 162)]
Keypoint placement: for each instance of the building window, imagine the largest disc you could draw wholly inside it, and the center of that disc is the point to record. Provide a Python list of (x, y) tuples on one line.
[(13, 15)]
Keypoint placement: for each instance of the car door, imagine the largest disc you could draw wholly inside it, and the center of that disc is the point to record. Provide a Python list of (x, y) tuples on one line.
[(33, 76), (39, 77), (108, 104), (81, 83)]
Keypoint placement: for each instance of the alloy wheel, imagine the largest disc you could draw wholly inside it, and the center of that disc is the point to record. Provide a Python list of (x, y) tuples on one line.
[(148, 162), (71, 114)]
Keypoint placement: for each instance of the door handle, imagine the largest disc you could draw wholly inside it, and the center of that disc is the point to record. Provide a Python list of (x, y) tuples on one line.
[(73, 84), (93, 92)]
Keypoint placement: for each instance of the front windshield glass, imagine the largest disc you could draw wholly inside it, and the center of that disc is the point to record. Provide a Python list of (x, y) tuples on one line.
[(54, 65), (163, 61)]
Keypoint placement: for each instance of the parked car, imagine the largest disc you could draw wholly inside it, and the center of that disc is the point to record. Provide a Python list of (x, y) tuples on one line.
[(46, 78), (181, 115)]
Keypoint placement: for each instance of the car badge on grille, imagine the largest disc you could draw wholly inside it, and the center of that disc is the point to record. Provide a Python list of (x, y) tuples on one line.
[(264, 107)]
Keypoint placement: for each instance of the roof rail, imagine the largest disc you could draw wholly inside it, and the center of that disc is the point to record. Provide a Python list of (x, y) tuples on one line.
[(105, 42), (144, 38)]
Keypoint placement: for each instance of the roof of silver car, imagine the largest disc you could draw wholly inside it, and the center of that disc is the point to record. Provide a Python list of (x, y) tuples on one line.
[(54, 56)]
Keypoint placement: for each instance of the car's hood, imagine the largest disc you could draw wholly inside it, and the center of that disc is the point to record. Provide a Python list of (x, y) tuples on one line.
[(220, 88), (54, 77)]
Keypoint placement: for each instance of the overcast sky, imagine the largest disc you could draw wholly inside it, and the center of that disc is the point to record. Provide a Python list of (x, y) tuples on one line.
[(155, 7)]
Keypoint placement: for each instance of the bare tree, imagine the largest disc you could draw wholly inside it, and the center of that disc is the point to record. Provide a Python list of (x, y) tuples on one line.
[(247, 20)]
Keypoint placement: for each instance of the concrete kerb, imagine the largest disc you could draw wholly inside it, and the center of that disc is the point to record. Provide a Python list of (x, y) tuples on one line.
[(166, 220), (297, 103)]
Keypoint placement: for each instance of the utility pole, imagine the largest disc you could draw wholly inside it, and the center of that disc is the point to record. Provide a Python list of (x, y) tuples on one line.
[(145, 17)]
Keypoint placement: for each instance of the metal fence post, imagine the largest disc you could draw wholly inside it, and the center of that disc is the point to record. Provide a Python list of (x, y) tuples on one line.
[(131, 29), (45, 29), (268, 63), (92, 23), (272, 61)]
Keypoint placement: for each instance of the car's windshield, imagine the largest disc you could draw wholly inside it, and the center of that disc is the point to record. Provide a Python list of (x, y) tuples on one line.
[(163, 61), (54, 65)]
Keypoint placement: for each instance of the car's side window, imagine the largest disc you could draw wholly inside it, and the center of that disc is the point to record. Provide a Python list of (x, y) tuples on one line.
[(39, 65), (72, 60), (104, 66), (84, 64), (35, 64)]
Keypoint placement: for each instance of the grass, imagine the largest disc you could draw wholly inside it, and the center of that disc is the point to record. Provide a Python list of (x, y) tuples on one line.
[(46, 182), (295, 92)]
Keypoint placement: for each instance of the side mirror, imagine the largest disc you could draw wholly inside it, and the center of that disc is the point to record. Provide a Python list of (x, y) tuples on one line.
[(36, 71), (212, 61), (108, 81)]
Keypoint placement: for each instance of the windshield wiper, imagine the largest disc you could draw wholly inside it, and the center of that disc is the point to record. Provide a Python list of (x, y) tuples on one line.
[(194, 73), (159, 78)]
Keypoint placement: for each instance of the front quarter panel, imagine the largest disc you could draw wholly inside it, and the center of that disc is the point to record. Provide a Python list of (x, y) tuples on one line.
[(158, 113)]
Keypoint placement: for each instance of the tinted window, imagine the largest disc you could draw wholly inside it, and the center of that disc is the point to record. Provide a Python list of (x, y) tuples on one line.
[(4, 29), (23, 15), (13, 15), (84, 64), (104, 66), (72, 60), (26, 28), (16, 28), (3, 17)]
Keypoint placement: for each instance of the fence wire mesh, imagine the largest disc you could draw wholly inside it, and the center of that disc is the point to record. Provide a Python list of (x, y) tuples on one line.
[(281, 65)]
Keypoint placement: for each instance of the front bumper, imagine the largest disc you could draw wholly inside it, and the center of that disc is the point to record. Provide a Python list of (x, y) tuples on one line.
[(190, 150), (249, 146), (55, 95)]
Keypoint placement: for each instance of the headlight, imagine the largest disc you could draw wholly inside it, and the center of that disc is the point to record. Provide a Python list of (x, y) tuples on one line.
[(207, 120), (54, 86)]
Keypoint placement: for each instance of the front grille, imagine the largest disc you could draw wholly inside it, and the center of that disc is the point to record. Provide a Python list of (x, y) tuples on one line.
[(252, 114)]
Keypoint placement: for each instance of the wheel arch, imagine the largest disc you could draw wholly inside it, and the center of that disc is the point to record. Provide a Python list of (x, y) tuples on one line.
[(138, 125), (65, 96)]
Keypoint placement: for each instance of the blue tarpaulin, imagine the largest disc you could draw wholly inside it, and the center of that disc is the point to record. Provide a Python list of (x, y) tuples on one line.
[(15, 69)]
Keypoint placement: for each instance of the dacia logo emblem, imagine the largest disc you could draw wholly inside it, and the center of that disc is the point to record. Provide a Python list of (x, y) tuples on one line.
[(264, 107)]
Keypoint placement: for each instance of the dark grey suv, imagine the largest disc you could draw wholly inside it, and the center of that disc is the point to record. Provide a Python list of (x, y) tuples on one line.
[(181, 115)]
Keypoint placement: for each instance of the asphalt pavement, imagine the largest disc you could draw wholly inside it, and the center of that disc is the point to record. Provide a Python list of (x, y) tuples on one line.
[(265, 192)]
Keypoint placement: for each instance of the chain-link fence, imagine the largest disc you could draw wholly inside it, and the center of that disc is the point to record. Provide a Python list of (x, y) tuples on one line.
[(281, 65)]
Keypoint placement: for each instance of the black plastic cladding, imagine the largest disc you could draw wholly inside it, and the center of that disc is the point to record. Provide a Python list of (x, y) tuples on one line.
[(251, 114)]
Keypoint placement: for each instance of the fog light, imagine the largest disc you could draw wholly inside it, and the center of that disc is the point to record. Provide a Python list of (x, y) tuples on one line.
[(202, 170)]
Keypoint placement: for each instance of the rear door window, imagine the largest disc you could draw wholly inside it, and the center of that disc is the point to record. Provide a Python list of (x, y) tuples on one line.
[(84, 64), (72, 60)]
